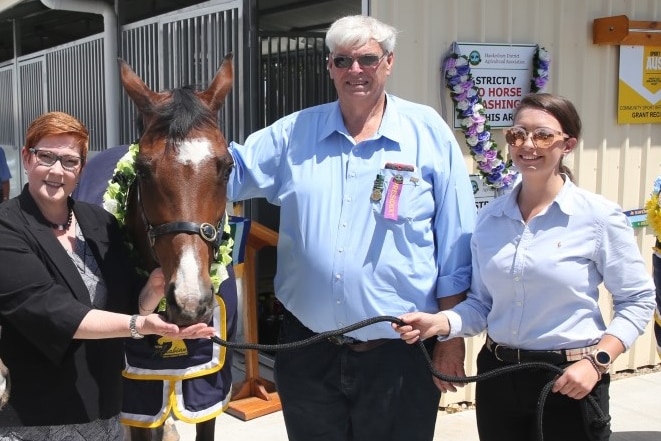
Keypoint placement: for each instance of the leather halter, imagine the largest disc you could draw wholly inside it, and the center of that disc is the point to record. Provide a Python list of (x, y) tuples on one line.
[(208, 232)]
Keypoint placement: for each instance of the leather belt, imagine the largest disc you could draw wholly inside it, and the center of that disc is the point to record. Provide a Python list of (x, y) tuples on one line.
[(558, 356), (356, 345)]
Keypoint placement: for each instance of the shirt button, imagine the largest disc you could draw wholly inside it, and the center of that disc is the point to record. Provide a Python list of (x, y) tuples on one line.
[(341, 250), (339, 302), (338, 276), (517, 278)]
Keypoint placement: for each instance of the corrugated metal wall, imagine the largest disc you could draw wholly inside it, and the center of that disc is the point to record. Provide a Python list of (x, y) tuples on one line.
[(186, 48), (618, 161), (7, 107), (74, 84)]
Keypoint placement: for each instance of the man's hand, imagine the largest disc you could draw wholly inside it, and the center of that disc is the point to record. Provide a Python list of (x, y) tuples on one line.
[(448, 358)]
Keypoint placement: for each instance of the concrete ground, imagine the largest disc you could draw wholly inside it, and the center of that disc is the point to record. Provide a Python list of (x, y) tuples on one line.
[(635, 412)]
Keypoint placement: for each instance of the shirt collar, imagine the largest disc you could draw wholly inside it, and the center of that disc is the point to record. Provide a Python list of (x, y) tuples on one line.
[(389, 128), (564, 200)]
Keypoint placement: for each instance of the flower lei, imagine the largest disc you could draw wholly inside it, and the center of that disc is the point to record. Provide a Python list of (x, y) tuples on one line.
[(115, 200), (472, 115), (653, 209)]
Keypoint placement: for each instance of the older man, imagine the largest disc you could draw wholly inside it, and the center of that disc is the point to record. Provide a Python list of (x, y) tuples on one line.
[(376, 216)]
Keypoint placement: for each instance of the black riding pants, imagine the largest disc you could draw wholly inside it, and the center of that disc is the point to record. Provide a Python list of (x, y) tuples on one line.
[(506, 407), (332, 393)]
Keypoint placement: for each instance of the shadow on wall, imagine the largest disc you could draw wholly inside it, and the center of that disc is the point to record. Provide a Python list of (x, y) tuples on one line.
[(636, 436)]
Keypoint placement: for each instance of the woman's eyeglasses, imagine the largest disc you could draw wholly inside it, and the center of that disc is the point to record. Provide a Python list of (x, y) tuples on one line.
[(369, 60), (542, 137), (48, 159)]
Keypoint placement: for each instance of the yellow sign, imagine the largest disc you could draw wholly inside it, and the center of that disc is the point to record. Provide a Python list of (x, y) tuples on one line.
[(652, 69), (639, 94)]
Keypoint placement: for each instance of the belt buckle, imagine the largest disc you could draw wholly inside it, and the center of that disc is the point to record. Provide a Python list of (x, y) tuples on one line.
[(495, 352)]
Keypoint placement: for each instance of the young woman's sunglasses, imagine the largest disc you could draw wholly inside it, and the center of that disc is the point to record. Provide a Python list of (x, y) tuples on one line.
[(369, 60), (542, 137)]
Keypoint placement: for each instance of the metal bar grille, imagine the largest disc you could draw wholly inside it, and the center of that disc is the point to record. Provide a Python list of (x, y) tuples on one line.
[(8, 107), (139, 47), (31, 93), (74, 84), (293, 74)]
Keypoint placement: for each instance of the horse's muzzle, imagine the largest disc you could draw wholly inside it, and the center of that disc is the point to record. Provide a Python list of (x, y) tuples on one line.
[(186, 310)]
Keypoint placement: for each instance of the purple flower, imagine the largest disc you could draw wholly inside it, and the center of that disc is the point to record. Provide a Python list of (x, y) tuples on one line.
[(540, 82), (484, 136), (463, 70), (490, 155), (450, 63)]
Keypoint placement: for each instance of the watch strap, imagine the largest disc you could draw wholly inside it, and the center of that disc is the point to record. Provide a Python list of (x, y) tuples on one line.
[(133, 327)]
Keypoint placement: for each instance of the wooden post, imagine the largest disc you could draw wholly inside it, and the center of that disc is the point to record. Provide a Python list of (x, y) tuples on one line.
[(254, 396)]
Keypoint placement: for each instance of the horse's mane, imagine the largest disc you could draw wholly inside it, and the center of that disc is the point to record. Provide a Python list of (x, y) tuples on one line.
[(179, 114)]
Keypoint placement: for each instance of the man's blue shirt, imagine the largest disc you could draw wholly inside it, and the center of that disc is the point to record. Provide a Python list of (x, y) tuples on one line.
[(345, 255)]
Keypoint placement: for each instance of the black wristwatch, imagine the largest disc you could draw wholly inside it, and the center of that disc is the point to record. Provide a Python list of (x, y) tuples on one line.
[(602, 359)]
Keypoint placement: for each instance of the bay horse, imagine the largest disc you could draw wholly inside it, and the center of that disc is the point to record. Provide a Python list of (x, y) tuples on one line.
[(175, 216), (179, 201)]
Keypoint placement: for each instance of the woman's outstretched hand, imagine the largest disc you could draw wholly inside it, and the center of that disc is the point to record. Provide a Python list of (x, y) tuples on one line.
[(422, 325), (154, 324)]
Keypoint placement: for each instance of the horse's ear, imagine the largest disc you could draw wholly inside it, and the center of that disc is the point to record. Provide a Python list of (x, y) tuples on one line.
[(220, 86), (138, 91)]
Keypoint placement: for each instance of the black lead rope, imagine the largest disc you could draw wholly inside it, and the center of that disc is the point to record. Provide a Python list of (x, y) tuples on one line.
[(601, 420)]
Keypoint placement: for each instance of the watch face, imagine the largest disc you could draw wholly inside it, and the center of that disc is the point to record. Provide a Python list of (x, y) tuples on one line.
[(602, 357)]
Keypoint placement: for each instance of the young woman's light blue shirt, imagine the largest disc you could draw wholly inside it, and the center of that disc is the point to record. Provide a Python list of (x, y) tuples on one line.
[(536, 286)]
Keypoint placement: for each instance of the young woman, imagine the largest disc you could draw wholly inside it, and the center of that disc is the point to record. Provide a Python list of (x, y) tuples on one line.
[(539, 255)]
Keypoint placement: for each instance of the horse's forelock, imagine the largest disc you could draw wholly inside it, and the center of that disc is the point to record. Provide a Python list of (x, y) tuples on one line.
[(182, 112)]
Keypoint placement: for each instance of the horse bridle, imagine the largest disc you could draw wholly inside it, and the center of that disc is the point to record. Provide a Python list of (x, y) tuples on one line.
[(214, 235)]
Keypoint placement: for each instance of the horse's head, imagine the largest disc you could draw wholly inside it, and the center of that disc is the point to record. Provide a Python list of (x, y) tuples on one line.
[(177, 204)]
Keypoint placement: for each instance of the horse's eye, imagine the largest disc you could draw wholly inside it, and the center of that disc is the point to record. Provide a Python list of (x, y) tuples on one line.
[(142, 171), (228, 172), (226, 167)]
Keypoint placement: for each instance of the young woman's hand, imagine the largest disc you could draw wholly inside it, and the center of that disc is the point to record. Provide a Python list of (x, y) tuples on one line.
[(422, 325)]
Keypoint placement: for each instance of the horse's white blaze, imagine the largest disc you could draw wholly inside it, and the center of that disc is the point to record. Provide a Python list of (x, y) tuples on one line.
[(194, 151), (187, 282)]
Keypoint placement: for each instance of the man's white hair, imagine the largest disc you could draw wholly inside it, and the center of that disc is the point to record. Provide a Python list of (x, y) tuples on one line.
[(354, 31)]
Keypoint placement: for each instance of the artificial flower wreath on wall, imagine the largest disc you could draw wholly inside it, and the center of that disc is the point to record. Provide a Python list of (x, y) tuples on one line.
[(471, 114)]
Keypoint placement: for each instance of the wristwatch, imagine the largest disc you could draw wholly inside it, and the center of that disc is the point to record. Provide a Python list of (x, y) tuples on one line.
[(602, 359), (133, 328)]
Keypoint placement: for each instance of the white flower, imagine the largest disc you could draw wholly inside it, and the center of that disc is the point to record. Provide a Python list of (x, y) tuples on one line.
[(110, 205), (544, 55), (462, 105)]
